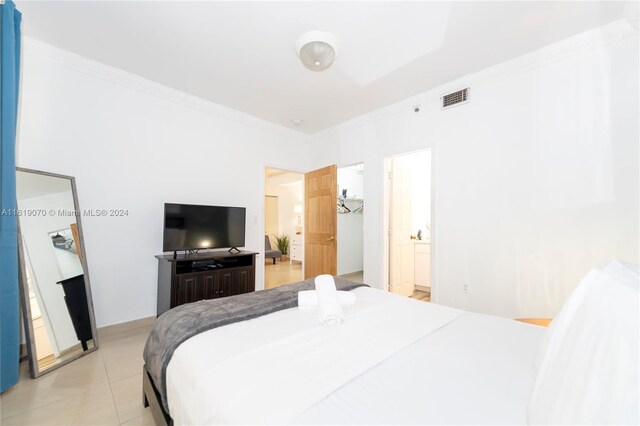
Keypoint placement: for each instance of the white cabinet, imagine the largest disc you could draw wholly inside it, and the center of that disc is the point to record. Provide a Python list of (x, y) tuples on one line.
[(422, 263), (296, 248)]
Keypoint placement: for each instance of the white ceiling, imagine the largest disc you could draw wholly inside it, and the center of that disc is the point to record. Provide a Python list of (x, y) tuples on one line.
[(242, 54)]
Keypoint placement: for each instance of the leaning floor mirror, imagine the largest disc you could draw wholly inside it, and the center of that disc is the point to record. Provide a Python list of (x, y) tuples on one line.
[(56, 295)]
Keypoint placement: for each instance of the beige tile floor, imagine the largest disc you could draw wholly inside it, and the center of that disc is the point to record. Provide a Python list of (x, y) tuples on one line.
[(355, 276), (283, 272), (421, 295), (417, 294), (102, 388)]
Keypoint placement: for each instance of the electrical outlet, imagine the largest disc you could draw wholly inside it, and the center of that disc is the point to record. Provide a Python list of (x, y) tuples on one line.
[(465, 288)]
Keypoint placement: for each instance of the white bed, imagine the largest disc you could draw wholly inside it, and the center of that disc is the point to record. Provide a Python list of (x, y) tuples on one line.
[(395, 360), (472, 369)]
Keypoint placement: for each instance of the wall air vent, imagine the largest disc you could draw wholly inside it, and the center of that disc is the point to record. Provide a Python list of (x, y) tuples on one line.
[(456, 98)]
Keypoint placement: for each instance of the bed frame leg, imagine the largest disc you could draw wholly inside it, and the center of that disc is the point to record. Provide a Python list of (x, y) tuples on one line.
[(151, 398)]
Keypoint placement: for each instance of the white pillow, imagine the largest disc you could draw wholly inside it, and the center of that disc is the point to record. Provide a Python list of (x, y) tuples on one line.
[(589, 372), (626, 273)]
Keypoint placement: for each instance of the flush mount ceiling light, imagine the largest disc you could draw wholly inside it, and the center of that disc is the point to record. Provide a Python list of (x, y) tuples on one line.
[(317, 50)]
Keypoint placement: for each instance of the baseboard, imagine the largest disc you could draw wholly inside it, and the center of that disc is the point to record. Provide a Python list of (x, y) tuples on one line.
[(127, 325)]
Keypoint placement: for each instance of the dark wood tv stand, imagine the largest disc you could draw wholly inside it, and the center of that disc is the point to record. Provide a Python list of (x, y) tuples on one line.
[(197, 276)]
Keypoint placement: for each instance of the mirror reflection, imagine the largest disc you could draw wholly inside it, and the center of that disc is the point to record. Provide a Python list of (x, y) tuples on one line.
[(61, 321)]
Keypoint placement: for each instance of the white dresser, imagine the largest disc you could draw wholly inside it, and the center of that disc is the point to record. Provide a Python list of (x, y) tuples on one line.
[(296, 248), (422, 263)]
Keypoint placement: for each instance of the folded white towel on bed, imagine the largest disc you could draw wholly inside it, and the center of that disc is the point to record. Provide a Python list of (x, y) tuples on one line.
[(329, 309), (308, 299)]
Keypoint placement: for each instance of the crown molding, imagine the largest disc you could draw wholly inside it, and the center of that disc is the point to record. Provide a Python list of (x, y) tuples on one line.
[(564, 49), (81, 64)]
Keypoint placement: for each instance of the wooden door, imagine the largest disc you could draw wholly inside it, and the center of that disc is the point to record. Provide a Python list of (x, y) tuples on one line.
[(76, 239), (320, 222), (401, 249)]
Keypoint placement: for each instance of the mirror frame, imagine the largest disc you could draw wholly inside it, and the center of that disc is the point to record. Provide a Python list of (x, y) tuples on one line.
[(24, 290)]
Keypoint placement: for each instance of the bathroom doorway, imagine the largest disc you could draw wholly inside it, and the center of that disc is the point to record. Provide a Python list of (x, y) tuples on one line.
[(408, 224)]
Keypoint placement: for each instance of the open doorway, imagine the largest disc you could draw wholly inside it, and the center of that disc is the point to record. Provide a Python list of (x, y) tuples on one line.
[(351, 222), (284, 245), (408, 208)]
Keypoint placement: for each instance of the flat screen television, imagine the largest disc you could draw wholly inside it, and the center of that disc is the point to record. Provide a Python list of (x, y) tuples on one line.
[(193, 227)]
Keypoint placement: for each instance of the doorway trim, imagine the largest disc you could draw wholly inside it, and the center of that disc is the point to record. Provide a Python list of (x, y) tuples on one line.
[(386, 198)]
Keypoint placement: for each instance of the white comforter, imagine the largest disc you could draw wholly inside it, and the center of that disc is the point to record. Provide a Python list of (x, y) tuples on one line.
[(394, 360)]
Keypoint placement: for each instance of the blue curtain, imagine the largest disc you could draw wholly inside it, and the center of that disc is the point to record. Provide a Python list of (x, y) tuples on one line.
[(9, 312)]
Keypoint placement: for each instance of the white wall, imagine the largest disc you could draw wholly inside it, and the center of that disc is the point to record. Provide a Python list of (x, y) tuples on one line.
[(350, 237), (536, 179), (134, 145), (271, 214), (351, 180)]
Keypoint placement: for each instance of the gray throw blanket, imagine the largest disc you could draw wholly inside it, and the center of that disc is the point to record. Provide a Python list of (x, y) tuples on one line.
[(181, 323)]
